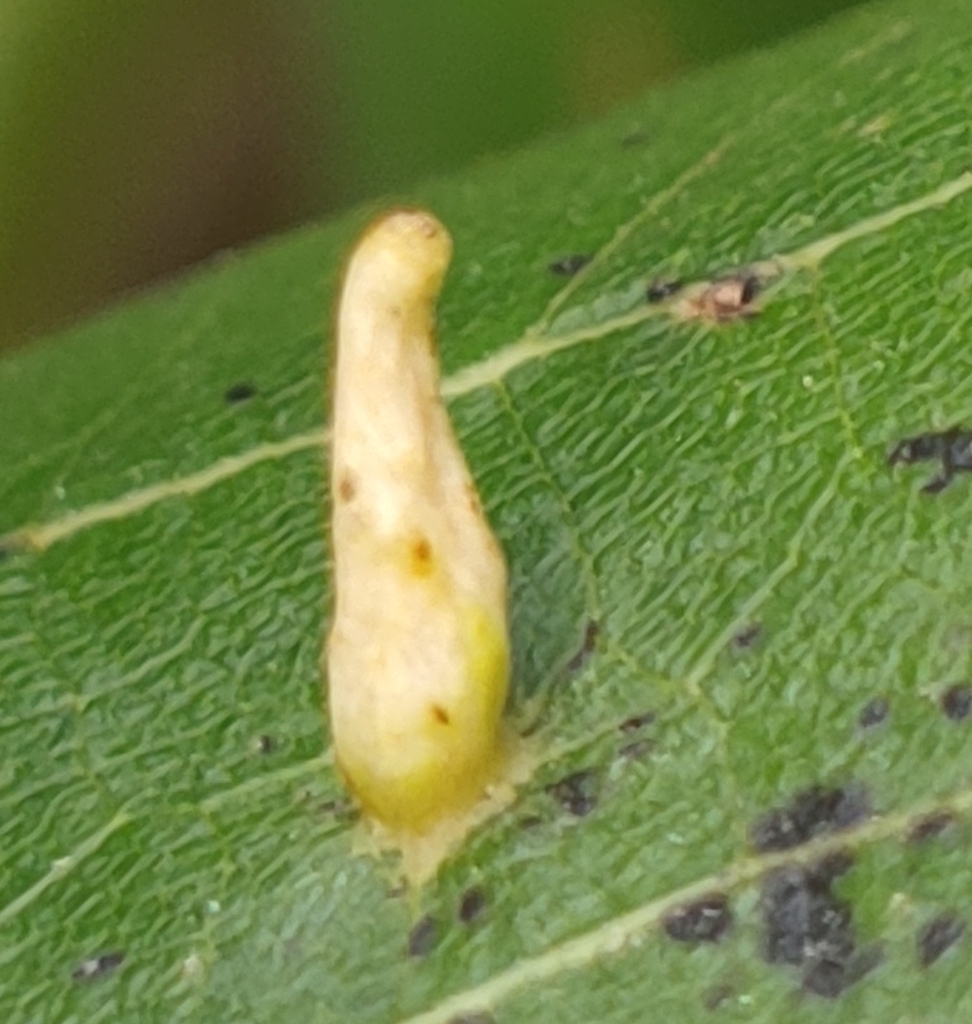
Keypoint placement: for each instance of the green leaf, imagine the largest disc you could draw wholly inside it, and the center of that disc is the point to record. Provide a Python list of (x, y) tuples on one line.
[(165, 791)]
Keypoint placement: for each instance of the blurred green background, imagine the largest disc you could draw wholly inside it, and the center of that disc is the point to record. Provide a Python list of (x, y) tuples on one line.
[(138, 137)]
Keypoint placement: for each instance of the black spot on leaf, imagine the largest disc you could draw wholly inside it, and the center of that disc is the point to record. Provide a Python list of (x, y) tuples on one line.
[(421, 939), (576, 793), (239, 392), (567, 266), (938, 935), (874, 712), (662, 288), (97, 966), (810, 813), (808, 926), (929, 826), (704, 920), (264, 744), (956, 702), (952, 447), (472, 903), (803, 918)]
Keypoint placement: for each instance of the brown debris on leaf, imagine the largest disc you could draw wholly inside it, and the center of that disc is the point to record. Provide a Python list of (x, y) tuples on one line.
[(725, 299)]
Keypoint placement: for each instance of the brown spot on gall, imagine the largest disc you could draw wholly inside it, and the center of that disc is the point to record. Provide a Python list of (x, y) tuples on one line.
[(440, 714), (346, 488), (421, 557)]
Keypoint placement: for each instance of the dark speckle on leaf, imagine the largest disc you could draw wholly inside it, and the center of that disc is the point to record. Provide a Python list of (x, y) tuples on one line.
[(662, 288), (567, 266), (422, 937), (576, 793), (929, 826), (705, 920), (472, 903), (530, 821), (956, 702), (747, 637), (97, 966), (265, 744), (239, 392), (338, 809), (874, 712), (637, 722), (810, 813), (637, 749), (938, 935), (588, 643), (634, 138)]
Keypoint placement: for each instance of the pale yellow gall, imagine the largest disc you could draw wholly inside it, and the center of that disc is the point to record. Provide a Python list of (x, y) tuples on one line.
[(417, 656)]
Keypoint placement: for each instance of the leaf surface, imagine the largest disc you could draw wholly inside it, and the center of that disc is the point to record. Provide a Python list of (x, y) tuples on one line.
[(715, 497)]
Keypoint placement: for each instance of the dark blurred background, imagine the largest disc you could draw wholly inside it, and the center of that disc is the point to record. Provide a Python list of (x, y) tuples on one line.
[(139, 136)]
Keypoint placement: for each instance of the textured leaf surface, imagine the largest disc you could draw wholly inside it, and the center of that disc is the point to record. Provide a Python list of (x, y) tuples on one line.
[(165, 791)]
